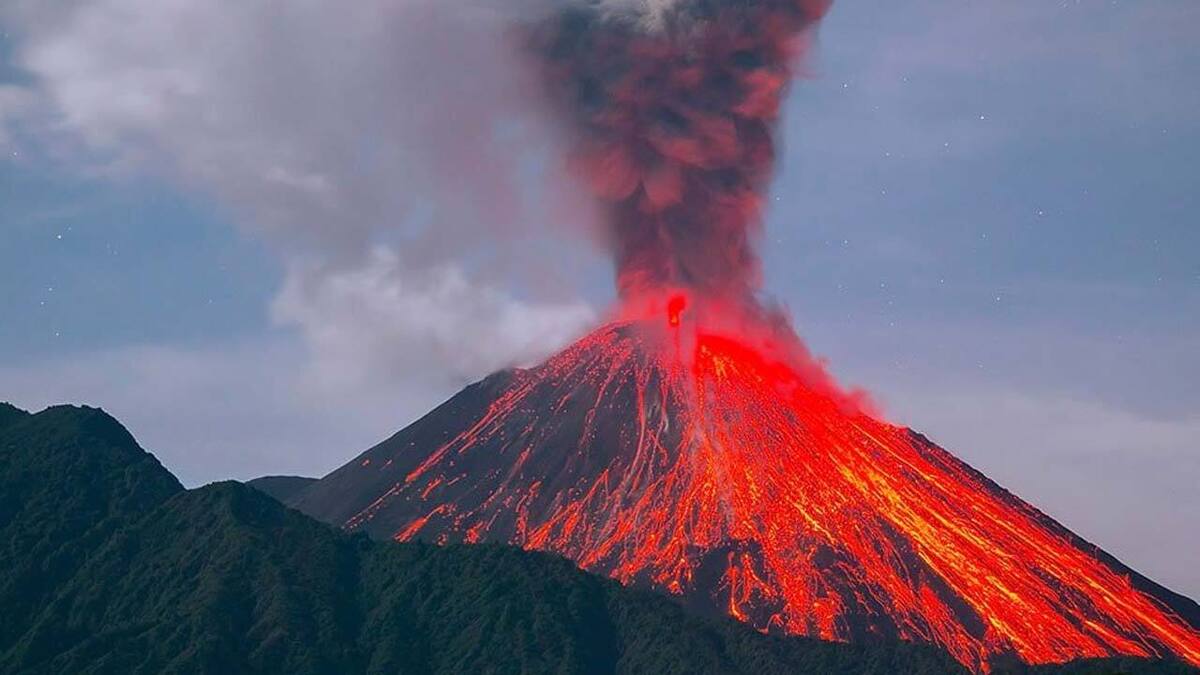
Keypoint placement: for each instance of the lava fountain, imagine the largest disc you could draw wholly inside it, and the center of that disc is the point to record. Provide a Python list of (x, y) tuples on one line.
[(691, 444)]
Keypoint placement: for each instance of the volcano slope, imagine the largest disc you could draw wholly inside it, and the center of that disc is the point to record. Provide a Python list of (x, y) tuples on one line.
[(705, 468)]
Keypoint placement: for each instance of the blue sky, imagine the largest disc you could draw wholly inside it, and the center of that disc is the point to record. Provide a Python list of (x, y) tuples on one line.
[(986, 215)]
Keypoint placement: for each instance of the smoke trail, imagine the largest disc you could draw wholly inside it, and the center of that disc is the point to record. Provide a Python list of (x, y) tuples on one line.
[(671, 111)]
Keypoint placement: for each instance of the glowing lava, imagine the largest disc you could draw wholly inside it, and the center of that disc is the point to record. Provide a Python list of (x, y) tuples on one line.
[(727, 479), (675, 306)]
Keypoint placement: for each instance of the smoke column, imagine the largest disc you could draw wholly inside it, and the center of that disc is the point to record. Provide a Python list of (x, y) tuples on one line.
[(672, 116)]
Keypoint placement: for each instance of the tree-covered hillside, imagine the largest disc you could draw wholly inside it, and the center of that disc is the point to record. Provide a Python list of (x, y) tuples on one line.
[(112, 567), (109, 566)]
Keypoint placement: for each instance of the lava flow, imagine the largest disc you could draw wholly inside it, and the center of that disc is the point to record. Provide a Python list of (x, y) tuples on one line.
[(691, 445), (726, 478)]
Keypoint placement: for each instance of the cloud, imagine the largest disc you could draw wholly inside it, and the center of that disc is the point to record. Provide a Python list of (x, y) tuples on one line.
[(14, 104), (391, 149), (381, 323)]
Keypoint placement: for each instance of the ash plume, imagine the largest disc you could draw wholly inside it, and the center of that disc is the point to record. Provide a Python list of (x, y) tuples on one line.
[(671, 112), (394, 158)]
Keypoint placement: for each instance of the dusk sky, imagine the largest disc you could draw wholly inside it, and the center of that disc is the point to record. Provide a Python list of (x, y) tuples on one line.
[(265, 237)]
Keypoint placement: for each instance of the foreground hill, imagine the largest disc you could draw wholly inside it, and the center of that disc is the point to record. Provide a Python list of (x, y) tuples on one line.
[(110, 566)]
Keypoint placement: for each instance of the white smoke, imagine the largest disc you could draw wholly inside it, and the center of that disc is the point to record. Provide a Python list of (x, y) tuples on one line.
[(386, 148), (385, 320)]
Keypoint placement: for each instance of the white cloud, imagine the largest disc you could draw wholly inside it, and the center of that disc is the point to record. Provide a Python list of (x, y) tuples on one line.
[(309, 119), (385, 150), (380, 322), (14, 103)]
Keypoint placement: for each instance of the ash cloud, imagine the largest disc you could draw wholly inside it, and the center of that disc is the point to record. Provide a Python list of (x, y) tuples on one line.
[(671, 111)]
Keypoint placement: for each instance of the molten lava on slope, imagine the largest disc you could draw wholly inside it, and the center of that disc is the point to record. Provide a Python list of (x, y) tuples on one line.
[(691, 445), (725, 476)]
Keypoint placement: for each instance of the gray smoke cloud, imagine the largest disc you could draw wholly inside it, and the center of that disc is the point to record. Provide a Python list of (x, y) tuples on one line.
[(388, 150), (672, 113)]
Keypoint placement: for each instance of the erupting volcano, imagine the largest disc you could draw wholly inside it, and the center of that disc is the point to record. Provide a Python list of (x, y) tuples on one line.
[(719, 473), (691, 444)]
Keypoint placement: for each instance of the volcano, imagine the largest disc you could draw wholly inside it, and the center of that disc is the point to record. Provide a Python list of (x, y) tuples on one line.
[(711, 467), (691, 445)]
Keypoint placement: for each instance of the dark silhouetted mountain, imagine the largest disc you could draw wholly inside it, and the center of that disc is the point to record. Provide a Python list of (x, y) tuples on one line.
[(69, 479), (9, 413), (111, 567), (283, 488)]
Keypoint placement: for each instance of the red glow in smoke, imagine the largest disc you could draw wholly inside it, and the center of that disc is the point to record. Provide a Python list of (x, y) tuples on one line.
[(672, 130), (675, 306)]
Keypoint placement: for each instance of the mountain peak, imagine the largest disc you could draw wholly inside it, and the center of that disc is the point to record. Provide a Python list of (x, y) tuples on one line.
[(91, 421), (10, 414), (69, 476), (81, 449)]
